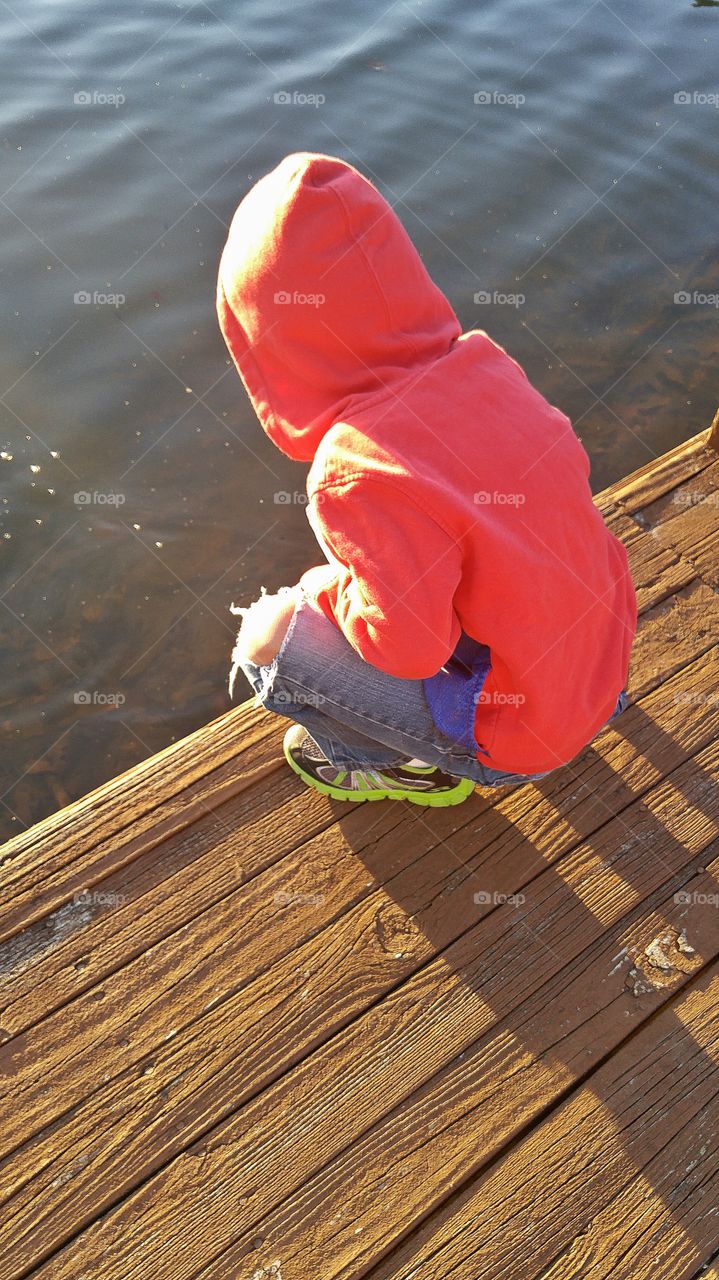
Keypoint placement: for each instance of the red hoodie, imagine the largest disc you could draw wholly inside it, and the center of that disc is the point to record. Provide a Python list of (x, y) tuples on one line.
[(447, 494)]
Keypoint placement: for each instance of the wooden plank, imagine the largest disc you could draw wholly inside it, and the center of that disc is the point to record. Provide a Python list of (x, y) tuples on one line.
[(399, 1042), (49, 931), (621, 764), (82, 818), (713, 437), (199, 960), (620, 1181), (660, 475), (132, 813), (658, 571), (702, 487), (148, 895), (337, 1225), (708, 1272), (696, 537), (208, 962), (85, 940), (676, 625), (689, 523)]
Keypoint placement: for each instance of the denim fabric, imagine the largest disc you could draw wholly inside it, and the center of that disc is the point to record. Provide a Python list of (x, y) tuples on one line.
[(358, 715)]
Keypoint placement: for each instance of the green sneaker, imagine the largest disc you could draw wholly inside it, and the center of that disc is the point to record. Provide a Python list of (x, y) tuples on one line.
[(426, 785)]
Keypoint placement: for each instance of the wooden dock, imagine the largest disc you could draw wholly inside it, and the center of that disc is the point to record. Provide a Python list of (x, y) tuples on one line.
[(247, 1032)]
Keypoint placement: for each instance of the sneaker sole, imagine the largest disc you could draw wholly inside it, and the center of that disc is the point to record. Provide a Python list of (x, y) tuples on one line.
[(438, 800)]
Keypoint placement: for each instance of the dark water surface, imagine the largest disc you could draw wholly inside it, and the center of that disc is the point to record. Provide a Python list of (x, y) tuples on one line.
[(129, 134)]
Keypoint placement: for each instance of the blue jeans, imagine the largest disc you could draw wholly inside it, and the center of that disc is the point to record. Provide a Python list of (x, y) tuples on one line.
[(358, 715)]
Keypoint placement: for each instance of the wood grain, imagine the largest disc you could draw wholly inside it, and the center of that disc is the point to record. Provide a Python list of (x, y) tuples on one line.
[(241, 1024), (336, 1224), (81, 844), (110, 910), (124, 916), (689, 523), (619, 766), (620, 1181), (660, 475), (713, 433), (402, 1040)]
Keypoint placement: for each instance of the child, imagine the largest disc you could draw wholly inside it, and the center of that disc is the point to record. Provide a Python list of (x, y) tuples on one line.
[(474, 617)]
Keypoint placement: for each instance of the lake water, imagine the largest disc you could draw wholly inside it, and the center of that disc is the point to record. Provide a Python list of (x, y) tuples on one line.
[(577, 182)]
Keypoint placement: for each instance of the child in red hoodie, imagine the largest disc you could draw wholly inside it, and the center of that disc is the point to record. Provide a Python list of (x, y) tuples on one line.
[(474, 617)]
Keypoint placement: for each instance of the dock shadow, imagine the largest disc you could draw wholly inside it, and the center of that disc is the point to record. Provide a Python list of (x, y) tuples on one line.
[(501, 887)]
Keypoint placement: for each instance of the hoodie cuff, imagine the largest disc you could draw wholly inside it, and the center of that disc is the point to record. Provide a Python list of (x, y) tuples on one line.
[(320, 585)]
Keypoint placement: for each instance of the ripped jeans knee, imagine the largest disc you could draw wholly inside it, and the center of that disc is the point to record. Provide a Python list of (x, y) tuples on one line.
[(260, 675)]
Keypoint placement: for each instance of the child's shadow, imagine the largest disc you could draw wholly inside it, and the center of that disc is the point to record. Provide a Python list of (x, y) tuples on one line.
[(528, 894)]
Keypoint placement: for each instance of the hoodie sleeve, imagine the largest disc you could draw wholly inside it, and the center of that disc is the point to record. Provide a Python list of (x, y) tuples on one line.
[(391, 578)]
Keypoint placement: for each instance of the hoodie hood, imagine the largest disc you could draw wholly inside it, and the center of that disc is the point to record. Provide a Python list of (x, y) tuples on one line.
[(323, 298)]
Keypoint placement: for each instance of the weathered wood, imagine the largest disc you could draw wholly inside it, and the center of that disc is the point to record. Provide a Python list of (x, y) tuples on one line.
[(147, 897), (610, 1184), (134, 812), (658, 570), (707, 1272), (242, 1023), (77, 946), (621, 765), (402, 1040), (336, 1224), (713, 435), (660, 475), (689, 523), (679, 624), (702, 487)]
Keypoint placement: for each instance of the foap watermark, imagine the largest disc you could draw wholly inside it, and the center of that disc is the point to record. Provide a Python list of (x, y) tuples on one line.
[(493, 898), (495, 698), (687, 697), (300, 698), (495, 298), (483, 498), (98, 498), (696, 298), (283, 498), (96, 698), (96, 298), (496, 98), (98, 98), (284, 898), (693, 898), (297, 98), (99, 898), (295, 298), (694, 98), (693, 498)]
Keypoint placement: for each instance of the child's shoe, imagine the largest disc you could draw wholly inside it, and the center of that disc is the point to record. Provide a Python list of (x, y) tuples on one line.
[(426, 785)]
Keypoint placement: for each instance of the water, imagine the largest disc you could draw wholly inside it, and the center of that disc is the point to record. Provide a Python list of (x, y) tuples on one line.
[(594, 197)]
